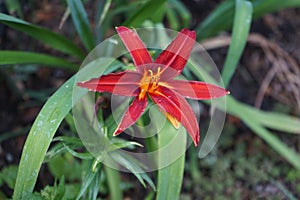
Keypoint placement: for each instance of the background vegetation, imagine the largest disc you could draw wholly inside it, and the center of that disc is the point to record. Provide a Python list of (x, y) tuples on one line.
[(254, 43)]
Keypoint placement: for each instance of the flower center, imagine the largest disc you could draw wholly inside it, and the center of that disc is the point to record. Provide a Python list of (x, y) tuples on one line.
[(149, 82)]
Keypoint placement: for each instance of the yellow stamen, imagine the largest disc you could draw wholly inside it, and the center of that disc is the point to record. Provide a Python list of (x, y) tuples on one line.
[(149, 82), (151, 72)]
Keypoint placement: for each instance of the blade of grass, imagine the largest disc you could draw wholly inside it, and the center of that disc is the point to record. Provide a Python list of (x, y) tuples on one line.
[(20, 57), (219, 19), (44, 128), (249, 115), (104, 12), (172, 19), (81, 23), (273, 120), (262, 7), (49, 38), (183, 12), (145, 12), (15, 133), (117, 11), (113, 181), (241, 27), (135, 167), (94, 187), (277, 121), (86, 182)]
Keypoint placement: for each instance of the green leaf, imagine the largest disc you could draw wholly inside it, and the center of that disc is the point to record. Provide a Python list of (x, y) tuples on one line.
[(50, 38), (69, 140), (60, 166), (104, 12), (113, 181), (273, 120), (40, 136), (95, 185), (145, 12), (44, 128), (262, 7), (277, 121), (11, 134), (83, 156), (9, 175), (171, 169), (81, 23), (134, 167), (255, 119), (222, 17), (20, 57), (88, 179), (182, 11), (172, 19), (119, 144), (241, 27)]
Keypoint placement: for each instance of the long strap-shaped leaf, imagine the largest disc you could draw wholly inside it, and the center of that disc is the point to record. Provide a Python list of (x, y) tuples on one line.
[(21, 57), (144, 12), (39, 138), (246, 113), (44, 128), (81, 23), (241, 27), (50, 38), (259, 120), (222, 17), (171, 142)]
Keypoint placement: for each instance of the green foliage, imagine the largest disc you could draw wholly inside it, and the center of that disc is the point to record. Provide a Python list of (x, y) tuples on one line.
[(255, 119), (60, 166), (81, 23), (113, 182), (48, 37), (68, 152), (240, 31), (241, 170), (40, 137), (15, 57), (170, 176), (56, 192), (222, 17), (8, 176), (146, 11)]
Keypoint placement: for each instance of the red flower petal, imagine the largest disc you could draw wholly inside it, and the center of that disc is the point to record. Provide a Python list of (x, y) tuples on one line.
[(177, 53), (123, 83), (175, 105), (196, 90), (135, 46), (132, 114)]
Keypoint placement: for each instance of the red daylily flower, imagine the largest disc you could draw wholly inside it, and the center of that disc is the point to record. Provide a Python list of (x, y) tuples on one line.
[(156, 80)]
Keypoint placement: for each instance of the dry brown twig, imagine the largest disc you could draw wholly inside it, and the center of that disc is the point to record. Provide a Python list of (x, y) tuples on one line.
[(283, 66)]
